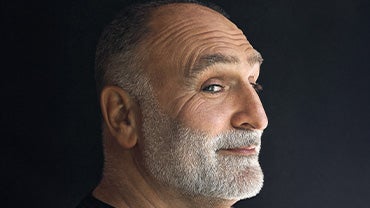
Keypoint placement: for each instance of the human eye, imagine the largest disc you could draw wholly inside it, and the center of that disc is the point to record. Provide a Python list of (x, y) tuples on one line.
[(256, 86), (213, 88)]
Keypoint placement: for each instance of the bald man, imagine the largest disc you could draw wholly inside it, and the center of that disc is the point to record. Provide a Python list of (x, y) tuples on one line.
[(182, 120)]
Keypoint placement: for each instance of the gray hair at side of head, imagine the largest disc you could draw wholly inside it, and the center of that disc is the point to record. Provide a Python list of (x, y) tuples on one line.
[(120, 54)]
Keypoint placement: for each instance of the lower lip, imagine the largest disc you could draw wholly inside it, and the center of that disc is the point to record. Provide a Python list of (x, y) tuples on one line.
[(239, 151)]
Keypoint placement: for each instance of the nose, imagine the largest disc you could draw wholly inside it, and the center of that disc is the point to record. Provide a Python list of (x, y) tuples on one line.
[(249, 113)]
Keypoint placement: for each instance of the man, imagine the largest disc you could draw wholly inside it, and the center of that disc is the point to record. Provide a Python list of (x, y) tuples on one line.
[(182, 118)]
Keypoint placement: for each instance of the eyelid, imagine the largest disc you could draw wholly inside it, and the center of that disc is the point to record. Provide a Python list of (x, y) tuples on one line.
[(211, 81)]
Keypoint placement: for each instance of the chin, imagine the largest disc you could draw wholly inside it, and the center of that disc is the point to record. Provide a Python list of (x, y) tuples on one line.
[(252, 189)]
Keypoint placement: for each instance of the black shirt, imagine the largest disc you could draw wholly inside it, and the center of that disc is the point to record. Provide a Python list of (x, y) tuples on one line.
[(91, 202)]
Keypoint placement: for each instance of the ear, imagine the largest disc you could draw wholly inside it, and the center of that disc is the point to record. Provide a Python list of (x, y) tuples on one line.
[(120, 115)]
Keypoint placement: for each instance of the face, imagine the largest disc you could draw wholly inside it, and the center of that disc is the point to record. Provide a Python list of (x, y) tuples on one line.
[(202, 116), (196, 163)]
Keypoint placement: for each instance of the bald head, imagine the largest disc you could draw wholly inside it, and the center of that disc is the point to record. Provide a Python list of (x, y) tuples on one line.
[(176, 28), (118, 55)]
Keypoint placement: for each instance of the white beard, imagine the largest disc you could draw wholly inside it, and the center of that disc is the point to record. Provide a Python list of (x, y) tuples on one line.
[(188, 160)]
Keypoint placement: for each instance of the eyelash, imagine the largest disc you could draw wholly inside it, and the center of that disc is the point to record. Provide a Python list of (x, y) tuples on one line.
[(257, 87)]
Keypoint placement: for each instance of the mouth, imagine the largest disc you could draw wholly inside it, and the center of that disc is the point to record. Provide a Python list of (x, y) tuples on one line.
[(239, 151)]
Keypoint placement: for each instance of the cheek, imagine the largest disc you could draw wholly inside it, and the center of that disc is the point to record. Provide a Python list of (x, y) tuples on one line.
[(207, 116)]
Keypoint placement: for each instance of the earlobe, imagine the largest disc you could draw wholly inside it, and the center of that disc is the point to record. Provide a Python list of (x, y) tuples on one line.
[(120, 115)]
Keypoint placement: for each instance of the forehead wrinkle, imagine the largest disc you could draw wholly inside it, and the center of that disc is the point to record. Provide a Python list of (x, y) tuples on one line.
[(181, 41), (170, 30), (179, 33), (209, 60), (190, 41), (200, 41), (166, 26), (167, 20), (203, 46), (211, 41), (197, 63), (240, 40), (194, 63)]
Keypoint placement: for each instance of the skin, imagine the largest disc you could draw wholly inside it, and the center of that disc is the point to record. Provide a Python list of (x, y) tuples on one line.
[(210, 97), (182, 38)]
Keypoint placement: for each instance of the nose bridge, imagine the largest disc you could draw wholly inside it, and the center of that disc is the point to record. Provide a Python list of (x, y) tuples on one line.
[(250, 113)]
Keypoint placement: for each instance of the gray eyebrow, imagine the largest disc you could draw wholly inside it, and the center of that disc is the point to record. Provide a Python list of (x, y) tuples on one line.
[(208, 60), (212, 59), (254, 58)]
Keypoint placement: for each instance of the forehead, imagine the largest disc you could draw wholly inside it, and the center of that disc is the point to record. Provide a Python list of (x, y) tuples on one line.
[(181, 34)]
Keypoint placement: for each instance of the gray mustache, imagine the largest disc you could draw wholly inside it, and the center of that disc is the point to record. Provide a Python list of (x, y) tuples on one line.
[(238, 138)]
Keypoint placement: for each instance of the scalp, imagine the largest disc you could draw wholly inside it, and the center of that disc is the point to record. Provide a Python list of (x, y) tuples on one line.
[(181, 32)]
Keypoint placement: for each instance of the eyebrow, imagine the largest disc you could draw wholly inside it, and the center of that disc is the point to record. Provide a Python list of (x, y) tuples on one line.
[(209, 60)]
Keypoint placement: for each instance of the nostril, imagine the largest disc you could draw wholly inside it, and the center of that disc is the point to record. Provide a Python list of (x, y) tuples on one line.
[(246, 126)]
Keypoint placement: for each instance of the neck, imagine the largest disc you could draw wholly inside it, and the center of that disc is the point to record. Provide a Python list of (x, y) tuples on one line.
[(125, 184)]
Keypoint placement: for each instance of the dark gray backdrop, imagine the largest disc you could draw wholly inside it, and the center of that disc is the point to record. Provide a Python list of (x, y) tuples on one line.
[(315, 76)]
